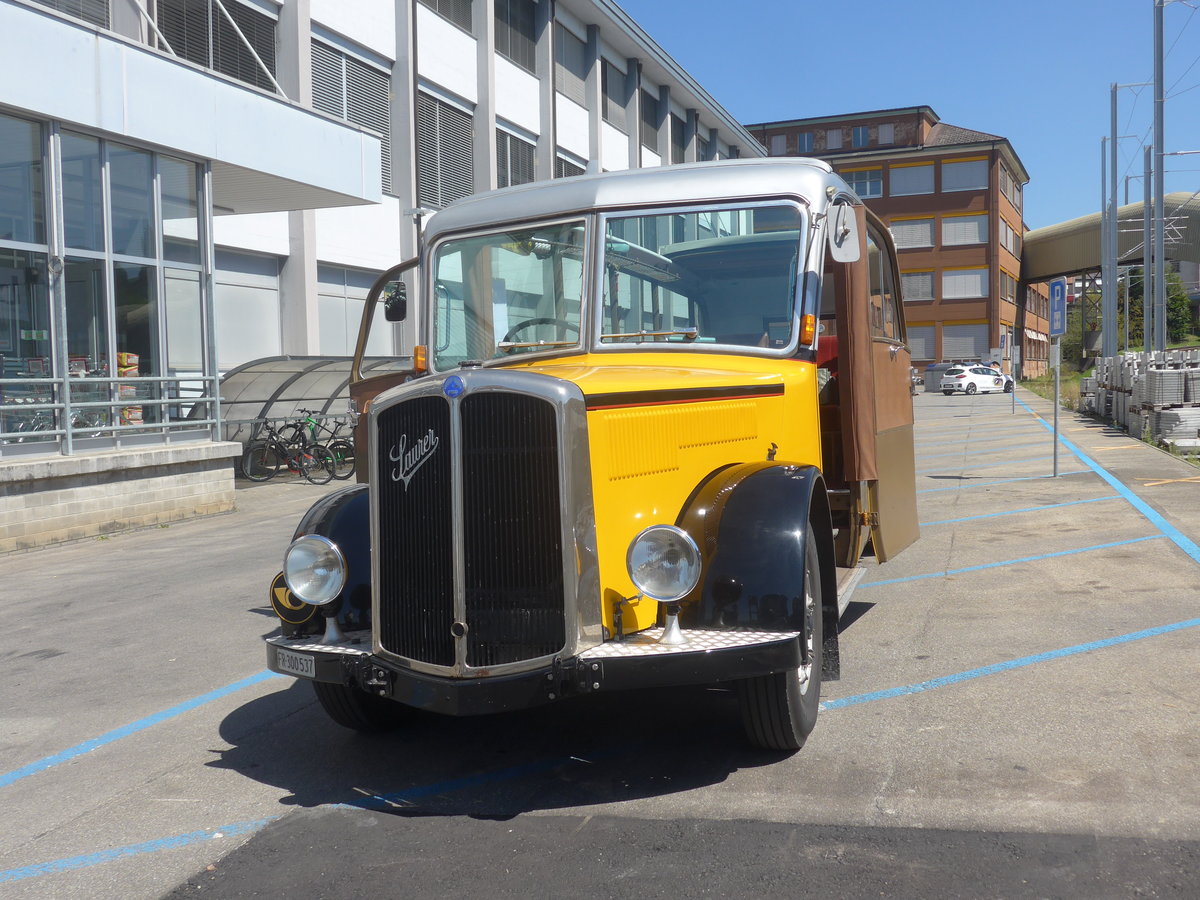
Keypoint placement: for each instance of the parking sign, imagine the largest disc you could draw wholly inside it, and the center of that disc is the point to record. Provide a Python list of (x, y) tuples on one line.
[(1058, 307)]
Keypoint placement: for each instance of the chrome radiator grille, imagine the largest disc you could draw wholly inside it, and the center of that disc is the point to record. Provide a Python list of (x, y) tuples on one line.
[(509, 594)]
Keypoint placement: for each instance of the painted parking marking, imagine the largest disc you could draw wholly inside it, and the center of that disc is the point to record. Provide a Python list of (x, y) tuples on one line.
[(1014, 462), (1008, 562), (1013, 512), (996, 448), (132, 728), (1195, 479), (974, 484)]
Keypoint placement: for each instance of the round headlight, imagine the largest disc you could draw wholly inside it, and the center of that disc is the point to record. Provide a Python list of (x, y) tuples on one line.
[(315, 569), (664, 562)]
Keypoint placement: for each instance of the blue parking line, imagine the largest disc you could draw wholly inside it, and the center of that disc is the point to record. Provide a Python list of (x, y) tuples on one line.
[(87, 860), (1014, 462), (1008, 562), (1180, 540), (973, 484), (1008, 666), (1013, 512), (132, 728)]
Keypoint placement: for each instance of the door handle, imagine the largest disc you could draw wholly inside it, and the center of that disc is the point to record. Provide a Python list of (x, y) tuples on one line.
[(893, 350)]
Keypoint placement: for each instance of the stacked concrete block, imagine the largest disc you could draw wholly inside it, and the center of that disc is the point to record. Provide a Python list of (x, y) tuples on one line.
[(1164, 387), (1179, 424)]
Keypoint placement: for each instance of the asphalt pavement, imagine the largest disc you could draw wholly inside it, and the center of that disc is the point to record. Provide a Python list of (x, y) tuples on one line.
[(1017, 717)]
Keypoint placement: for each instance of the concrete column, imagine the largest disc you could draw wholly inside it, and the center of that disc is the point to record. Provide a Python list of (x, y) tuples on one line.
[(544, 63), (633, 110), (664, 125), (298, 277), (594, 95), (691, 151), (484, 120), (404, 169)]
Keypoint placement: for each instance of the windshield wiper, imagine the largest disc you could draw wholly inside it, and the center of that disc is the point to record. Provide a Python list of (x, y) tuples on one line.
[(521, 345), (689, 334)]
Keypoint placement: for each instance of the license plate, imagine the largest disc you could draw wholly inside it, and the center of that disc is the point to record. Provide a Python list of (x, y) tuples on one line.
[(296, 663)]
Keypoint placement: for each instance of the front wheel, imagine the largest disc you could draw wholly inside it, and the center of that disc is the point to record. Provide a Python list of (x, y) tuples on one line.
[(353, 708), (779, 710), (316, 464), (343, 459), (261, 461), (1008, 387)]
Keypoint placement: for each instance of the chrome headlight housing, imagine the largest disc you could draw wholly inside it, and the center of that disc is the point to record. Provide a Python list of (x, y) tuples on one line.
[(664, 563), (314, 569)]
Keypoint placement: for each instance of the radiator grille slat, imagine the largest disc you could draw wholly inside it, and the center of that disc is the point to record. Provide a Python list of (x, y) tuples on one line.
[(511, 526)]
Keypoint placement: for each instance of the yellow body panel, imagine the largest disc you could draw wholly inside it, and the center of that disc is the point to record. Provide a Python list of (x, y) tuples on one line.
[(650, 449)]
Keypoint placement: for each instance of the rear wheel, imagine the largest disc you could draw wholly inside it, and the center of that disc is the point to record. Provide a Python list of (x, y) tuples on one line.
[(261, 461), (779, 710), (971, 388), (947, 393), (316, 464), (343, 459), (354, 708)]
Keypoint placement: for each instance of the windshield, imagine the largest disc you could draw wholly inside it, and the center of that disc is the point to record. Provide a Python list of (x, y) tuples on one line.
[(499, 295), (709, 277)]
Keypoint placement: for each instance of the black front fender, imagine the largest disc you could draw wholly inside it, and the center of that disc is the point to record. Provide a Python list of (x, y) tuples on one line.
[(344, 517), (751, 523)]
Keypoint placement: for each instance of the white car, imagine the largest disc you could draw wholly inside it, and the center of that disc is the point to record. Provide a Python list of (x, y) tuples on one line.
[(971, 380)]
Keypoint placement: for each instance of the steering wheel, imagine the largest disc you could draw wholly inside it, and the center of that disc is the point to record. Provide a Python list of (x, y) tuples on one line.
[(540, 320)]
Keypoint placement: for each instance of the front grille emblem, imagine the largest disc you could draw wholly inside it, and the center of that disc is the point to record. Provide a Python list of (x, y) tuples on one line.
[(453, 387), (412, 458)]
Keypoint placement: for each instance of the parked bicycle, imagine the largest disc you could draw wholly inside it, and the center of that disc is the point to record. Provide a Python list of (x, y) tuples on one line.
[(342, 448), (291, 447)]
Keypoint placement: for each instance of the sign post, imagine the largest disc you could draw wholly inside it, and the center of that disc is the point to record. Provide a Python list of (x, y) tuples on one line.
[(1058, 327)]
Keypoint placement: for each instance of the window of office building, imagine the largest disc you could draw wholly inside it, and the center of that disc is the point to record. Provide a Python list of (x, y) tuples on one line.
[(860, 136), (909, 233), (778, 144), (565, 168), (198, 31), (515, 160), (905, 181), (341, 296), (457, 11), (916, 285), (570, 65), (648, 132), (833, 139), (965, 284), (515, 36), (615, 91), (887, 134), (920, 342), (703, 150), (678, 139), (347, 87), (866, 183), (804, 142), (445, 152), (965, 341), (94, 12), (965, 175), (127, 300), (958, 230)]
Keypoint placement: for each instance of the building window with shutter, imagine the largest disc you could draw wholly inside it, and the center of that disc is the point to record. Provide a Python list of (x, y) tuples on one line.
[(445, 157), (456, 11), (965, 175), (910, 233), (94, 12), (833, 139), (867, 183), (887, 134), (778, 145), (570, 65), (906, 181), (350, 89), (199, 32), (515, 37), (566, 168), (615, 94), (514, 160), (920, 342), (959, 230), (648, 132), (915, 286), (965, 284), (678, 140)]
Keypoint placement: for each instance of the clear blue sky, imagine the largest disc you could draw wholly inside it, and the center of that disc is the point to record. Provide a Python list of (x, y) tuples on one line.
[(1034, 71)]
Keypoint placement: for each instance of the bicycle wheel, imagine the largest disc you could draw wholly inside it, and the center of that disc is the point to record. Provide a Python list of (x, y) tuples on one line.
[(316, 464), (261, 461), (343, 459)]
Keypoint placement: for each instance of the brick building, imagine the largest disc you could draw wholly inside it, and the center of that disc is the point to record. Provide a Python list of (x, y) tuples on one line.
[(953, 200)]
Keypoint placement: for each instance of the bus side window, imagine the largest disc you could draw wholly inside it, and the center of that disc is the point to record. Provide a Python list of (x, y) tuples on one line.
[(884, 314)]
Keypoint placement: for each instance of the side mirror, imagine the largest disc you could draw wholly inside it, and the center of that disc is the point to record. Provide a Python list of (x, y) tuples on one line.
[(395, 302), (843, 233)]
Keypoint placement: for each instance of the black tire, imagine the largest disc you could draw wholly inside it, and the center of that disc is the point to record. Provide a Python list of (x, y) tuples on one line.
[(1008, 387), (343, 459), (260, 461), (316, 464), (779, 710), (353, 708), (971, 389), (947, 393)]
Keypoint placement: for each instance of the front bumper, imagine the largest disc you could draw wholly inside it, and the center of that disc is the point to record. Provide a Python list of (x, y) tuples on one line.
[(637, 662)]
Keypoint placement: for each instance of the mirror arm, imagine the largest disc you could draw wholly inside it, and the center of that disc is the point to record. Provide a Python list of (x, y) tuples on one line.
[(364, 327)]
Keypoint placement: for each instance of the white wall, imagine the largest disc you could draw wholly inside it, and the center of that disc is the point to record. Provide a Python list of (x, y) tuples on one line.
[(517, 96), (366, 237), (572, 126), (446, 55), (614, 148), (371, 23), (261, 232)]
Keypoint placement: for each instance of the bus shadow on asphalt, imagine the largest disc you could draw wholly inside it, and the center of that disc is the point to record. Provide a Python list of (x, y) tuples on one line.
[(599, 749)]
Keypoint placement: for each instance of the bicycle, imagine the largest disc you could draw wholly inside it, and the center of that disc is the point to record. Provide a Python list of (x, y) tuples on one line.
[(264, 457), (341, 448)]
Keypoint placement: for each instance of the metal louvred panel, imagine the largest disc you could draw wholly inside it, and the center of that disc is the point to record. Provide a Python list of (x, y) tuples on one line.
[(502, 179), (230, 54), (94, 12), (564, 168), (515, 160), (368, 103), (445, 152), (328, 80), (185, 25)]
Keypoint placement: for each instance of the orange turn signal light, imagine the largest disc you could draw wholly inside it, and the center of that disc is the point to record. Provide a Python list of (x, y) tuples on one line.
[(420, 358), (808, 328)]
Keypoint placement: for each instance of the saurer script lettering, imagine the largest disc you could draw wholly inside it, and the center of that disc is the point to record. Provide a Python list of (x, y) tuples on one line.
[(412, 458)]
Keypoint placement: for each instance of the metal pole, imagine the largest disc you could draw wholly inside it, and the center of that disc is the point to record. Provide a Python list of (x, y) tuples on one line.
[(1160, 304), (1106, 282), (1147, 255), (1110, 316), (1056, 349)]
